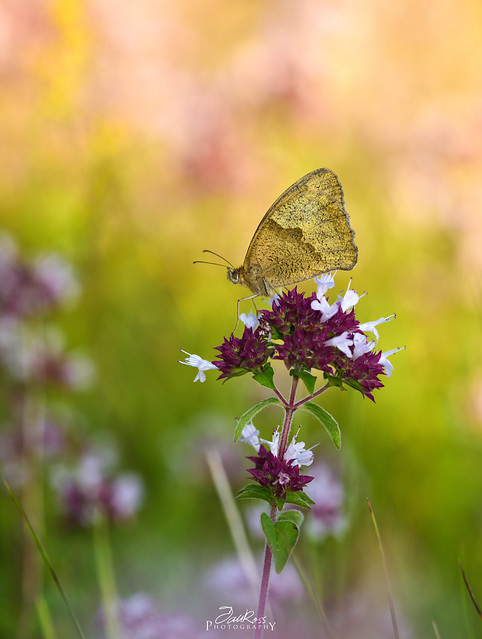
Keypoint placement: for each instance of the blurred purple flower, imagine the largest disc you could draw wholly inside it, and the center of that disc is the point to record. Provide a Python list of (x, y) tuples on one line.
[(30, 288), (41, 440), (55, 278), (363, 615), (229, 576), (325, 516), (45, 439), (34, 359), (51, 365), (140, 617), (92, 486)]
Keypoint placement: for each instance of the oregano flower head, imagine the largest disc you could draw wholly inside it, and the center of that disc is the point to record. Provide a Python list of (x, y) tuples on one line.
[(307, 333), (277, 474)]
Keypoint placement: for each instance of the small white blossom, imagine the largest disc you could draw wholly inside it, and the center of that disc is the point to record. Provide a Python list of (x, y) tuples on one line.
[(384, 360), (327, 310), (361, 345), (250, 435), (198, 362), (349, 299), (342, 342), (274, 298), (274, 443), (370, 326), (295, 451), (324, 283), (250, 320), (298, 453)]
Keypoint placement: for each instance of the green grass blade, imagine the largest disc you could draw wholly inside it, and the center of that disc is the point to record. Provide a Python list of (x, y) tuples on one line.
[(45, 557)]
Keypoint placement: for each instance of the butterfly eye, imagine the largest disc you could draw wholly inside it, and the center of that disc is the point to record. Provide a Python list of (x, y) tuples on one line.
[(233, 275)]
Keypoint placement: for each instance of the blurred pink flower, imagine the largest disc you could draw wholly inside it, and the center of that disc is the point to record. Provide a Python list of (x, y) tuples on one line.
[(228, 576), (92, 485), (31, 358), (42, 440), (326, 516), (32, 288), (140, 617)]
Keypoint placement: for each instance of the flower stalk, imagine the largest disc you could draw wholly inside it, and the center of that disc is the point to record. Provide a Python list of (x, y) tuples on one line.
[(263, 592), (309, 335)]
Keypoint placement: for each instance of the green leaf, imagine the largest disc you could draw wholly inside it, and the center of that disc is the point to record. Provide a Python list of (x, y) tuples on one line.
[(356, 385), (267, 524), (334, 381), (299, 499), (281, 536), (308, 379), (328, 421), (295, 516), (255, 491), (265, 377), (251, 412)]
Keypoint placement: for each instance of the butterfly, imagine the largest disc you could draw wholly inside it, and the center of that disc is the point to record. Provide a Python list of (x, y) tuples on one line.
[(305, 232)]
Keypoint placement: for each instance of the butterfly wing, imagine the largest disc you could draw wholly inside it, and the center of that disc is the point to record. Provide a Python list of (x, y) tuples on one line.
[(306, 232)]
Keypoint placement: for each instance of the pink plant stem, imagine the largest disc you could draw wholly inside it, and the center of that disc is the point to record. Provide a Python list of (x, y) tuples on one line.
[(289, 412), (310, 397), (263, 593)]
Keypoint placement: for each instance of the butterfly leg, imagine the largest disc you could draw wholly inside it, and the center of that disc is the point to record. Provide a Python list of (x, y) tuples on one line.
[(243, 299)]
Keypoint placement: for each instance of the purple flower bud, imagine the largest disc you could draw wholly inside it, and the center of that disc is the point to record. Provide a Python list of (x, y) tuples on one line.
[(240, 355)]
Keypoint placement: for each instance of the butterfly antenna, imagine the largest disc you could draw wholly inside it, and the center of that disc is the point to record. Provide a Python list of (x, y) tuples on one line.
[(213, 263), (220, 257)]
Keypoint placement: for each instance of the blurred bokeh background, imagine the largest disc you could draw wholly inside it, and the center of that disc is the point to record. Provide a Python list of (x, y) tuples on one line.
[(135, 135)]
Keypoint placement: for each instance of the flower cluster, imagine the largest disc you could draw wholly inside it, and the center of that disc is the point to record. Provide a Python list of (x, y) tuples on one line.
[(31, 290), (36, 439), (306, 332), (276, 473), (279, 474), (240, 355)]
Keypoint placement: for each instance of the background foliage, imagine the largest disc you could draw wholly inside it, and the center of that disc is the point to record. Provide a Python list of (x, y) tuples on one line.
[(137, 134)]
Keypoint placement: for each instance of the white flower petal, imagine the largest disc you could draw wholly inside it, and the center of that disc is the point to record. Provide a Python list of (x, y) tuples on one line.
[(250, 435), (250, 320), (324, 283), (297, 452), (343, 342), (370, 326), (198, 362), (361, 345), (274, 443), (327, 310), (384, 360)]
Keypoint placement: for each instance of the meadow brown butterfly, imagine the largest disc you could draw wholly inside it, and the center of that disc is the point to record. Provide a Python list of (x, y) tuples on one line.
[(305, 233)]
